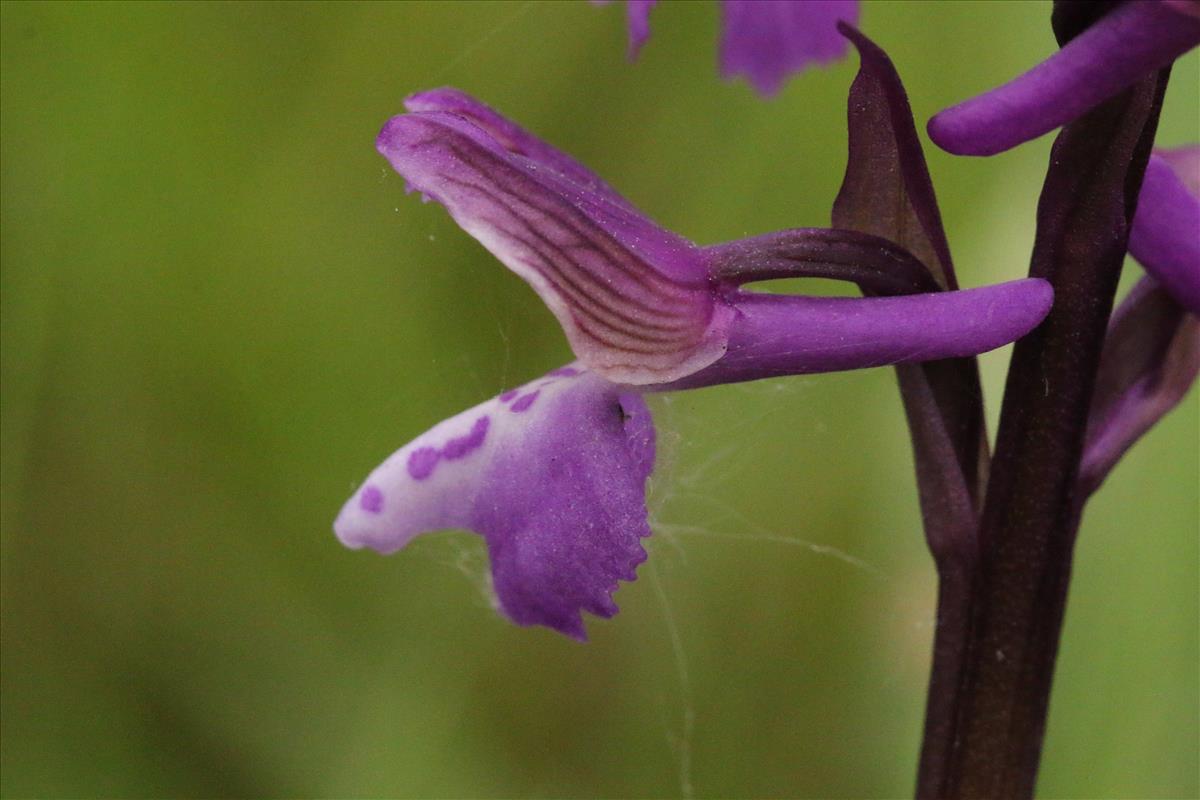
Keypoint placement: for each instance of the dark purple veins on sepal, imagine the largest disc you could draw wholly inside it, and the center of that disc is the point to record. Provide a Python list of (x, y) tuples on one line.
[(632, 298)]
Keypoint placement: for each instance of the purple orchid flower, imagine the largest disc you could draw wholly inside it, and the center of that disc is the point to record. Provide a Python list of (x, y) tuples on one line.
[(764, 40), (1132, 40), (553, 474)]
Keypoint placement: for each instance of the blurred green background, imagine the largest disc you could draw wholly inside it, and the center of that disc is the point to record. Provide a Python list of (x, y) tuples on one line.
[(220, 311)]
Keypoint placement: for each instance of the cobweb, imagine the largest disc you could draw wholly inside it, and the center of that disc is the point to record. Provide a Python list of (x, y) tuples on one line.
[(685, 506)]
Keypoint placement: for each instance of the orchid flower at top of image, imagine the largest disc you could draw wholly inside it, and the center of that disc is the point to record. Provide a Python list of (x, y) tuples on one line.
[(1131, 40), (766, 41), (552, 474)]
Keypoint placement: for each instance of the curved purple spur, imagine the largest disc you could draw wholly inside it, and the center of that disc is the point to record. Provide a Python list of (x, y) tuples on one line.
[(553, 474), (1134, 39)]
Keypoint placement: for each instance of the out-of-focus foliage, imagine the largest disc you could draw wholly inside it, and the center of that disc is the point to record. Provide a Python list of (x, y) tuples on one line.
[(220, 310)]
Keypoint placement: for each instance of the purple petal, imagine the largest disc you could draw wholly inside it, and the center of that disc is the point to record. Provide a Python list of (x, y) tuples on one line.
[(768, 40), (638, 12), (1151, 358), (638, 15), (1165, 238), (633, 299), (1123, 46), (787, 335), (556, 488)]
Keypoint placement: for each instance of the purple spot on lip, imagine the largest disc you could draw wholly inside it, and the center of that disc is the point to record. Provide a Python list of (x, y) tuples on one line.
[(524, 402), (422, 461), (563, 372), (509, 395), (457, 448), (371, 500)]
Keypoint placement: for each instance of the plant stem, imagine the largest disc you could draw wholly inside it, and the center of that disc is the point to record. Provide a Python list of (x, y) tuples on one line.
[(999, 625)]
